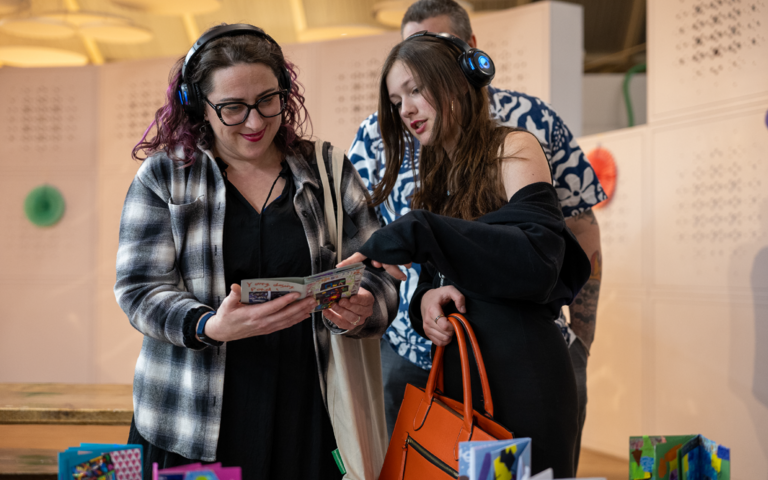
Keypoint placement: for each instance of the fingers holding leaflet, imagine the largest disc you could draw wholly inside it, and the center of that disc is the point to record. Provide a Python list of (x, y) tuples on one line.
[(356, 257)]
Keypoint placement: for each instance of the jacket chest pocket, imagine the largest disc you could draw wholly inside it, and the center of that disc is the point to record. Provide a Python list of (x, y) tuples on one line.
[(189, 224)]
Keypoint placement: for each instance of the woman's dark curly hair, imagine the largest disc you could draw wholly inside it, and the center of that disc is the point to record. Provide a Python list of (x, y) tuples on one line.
[(178, 134)]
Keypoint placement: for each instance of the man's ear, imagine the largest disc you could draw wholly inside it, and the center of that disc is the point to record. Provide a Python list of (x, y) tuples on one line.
[(472, 41)]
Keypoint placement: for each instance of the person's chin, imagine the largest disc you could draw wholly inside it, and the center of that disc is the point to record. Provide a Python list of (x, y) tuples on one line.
[(425, 138)]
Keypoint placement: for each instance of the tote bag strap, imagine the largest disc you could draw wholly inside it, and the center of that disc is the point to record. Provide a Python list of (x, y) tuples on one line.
[(335, 220)]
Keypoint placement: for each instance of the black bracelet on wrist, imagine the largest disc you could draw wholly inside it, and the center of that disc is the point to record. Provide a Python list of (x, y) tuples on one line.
[(201, 330)]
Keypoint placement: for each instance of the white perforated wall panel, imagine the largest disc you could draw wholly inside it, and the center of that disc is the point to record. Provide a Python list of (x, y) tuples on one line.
[(130, 95), (344, 86), (615, 374), (684, 299), (710, 199), (621, 224), (342, 77), (48, 120), (705, 359), (705, 54), (517, 40)]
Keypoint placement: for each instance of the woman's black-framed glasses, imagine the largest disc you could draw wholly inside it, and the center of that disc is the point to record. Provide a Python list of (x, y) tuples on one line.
[(235, 113)]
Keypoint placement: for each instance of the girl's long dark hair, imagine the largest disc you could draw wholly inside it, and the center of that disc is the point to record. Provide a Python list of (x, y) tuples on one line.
[(468, 186), (178, 134)]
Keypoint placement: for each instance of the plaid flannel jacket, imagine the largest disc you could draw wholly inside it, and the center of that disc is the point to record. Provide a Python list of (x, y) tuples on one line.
[(169, 263)]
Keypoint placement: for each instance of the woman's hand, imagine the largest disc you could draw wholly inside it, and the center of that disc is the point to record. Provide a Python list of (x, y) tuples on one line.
[(436, 326), (235, 320), (391, 269), (349, 313)]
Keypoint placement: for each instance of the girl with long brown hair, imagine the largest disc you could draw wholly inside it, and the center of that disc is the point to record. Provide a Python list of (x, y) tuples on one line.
[(489, 234)]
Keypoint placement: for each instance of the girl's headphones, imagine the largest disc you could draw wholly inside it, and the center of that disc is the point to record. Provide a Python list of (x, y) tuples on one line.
[(476, 65), (190, 96)]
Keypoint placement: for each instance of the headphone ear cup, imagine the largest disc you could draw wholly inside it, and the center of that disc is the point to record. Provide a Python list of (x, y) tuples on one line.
[(478, 67), (198, 108), (467, 70), (285, 80), (185, 98)]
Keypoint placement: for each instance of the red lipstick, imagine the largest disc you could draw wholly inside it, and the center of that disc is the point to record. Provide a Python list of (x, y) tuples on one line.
[(254, 137), (421, 127)]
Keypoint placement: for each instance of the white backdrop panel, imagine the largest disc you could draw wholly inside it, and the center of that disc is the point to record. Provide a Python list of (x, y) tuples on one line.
[(118, 343), (621, 220), (64, 251), (705, 54), (347, 88), (705, 360), (304, 57), (50, 324), (48, 120), (130, 93), (342, 76), (710, 199), (615, 375), (518, 42)]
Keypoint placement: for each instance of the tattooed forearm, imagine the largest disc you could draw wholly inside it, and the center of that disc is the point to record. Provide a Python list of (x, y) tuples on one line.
[(584, 307), (584, 311), (587, 216)]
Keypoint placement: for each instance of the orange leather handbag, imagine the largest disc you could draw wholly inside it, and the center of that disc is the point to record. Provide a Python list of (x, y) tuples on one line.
[(425, 443)]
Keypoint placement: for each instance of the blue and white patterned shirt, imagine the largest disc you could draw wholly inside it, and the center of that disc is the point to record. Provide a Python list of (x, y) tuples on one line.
[(573, 178)]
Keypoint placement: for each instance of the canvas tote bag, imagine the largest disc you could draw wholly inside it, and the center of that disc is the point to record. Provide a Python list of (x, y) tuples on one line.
[(354, 389), (425, 443)]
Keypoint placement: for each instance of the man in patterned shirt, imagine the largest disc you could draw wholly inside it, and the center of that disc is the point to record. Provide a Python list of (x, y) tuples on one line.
[(406, 355)]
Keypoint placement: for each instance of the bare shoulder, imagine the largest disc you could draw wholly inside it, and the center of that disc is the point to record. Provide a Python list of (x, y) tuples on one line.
[(522, 145), (523, 162)]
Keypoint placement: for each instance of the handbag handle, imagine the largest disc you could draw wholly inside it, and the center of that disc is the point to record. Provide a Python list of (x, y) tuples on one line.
[(487, 400), (459, 324), (437, 364)]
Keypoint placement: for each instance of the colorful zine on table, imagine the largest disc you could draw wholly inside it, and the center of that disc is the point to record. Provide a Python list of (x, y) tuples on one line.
[(501, 459), (326, 287), (678, 457), (96, 461), (197, 471)]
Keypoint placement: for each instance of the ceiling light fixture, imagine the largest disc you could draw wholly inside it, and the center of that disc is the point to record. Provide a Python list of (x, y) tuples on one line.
[(20, 56), (171, 7), (58, 25)]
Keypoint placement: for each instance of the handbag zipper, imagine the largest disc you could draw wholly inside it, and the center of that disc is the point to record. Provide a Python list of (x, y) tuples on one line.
[(432, 458)]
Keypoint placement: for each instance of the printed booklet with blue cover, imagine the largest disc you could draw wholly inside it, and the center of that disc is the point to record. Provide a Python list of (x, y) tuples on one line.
[(498, 459), (326, 287)]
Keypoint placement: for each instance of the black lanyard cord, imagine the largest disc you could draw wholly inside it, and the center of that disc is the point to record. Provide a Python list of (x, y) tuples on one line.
[(261, 216)]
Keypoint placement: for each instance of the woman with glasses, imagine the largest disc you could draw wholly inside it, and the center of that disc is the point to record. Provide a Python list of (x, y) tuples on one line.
[(230, 190)]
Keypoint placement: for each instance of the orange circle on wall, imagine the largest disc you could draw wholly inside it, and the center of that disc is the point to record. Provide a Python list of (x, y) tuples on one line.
[(605, 168)]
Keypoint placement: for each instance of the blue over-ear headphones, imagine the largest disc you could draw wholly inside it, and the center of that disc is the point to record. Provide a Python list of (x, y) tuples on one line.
[(475, 64), (190, 96)]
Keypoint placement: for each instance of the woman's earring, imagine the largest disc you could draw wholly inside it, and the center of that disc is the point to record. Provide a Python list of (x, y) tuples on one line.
[(204, 128), (451, 106)]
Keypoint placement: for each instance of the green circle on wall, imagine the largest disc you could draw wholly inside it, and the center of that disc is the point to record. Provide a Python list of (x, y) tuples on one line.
[(44, 206)]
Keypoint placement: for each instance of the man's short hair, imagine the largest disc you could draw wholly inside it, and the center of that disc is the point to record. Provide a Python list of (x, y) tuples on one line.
[(425, 9)]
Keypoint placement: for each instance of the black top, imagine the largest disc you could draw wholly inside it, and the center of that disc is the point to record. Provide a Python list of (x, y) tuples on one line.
[(273, 423), (515, 267)]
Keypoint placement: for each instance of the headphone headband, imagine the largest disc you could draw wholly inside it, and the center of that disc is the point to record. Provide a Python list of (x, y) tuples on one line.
[(224, 31), (189, 94), (475, 64)]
